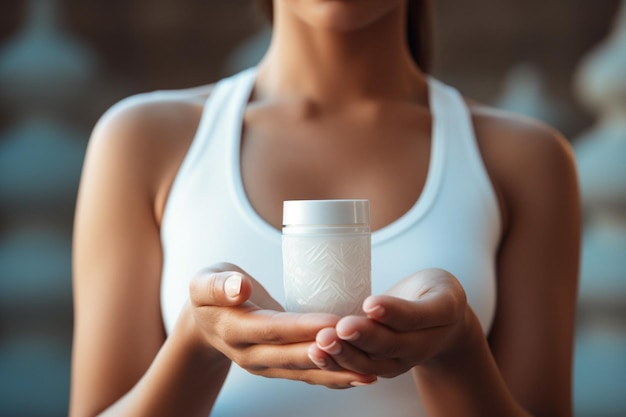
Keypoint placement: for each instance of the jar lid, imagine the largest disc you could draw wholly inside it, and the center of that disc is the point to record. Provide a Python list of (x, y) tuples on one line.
[(326, 212)]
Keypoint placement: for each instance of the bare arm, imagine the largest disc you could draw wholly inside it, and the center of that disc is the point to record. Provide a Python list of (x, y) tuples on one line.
[(533, 335), (117, 267), (526, 369)]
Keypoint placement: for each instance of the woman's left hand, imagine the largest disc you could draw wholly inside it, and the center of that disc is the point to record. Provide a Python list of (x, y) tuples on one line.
[(419, 319)]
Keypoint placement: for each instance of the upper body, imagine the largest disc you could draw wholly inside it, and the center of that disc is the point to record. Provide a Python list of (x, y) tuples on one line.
[(320, 82), (454, 225)]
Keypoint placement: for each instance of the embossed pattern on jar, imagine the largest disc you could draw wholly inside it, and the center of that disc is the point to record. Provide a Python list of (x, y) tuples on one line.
[(328, 274), (327, 263)]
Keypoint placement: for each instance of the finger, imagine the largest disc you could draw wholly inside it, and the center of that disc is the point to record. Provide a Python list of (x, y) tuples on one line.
[(293, 362), (438, 293), (330, 379), (257, 358), (319, 357), (248, 327), (381, 342), (259, 295), (222, 289), (432, 309), (342, 355)]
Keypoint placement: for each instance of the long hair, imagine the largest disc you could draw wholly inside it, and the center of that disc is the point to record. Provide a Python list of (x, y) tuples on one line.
[(419, 29)]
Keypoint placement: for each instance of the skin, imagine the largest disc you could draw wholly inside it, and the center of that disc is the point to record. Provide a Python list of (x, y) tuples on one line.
[(317, 95)]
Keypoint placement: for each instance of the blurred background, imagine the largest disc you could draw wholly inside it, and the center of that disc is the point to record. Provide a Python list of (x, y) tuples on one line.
[(64, 62)]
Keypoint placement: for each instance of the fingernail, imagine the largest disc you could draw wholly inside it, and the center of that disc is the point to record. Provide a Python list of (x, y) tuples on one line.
[(351, 337), (377, 311), (362, 384), (319, 362), (334, 348), (232, 286)]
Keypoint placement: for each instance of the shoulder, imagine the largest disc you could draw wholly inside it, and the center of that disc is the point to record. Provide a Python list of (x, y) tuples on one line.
[(530, 163), (150, 117), (142, 140), (136, 148), (520, 143)]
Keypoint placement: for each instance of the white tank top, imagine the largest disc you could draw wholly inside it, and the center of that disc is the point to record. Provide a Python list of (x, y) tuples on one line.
[(454, 225)]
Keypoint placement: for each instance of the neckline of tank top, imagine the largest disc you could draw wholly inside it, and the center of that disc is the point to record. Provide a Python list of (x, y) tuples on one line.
[(243, 83)]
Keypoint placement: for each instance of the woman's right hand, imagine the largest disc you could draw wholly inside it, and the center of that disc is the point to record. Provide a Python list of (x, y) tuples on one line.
[(237, 317)]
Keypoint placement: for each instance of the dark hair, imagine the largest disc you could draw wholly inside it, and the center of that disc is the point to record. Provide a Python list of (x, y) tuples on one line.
[(418, 29)]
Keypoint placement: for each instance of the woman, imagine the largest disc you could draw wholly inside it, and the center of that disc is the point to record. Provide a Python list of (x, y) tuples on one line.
[(475, 241)]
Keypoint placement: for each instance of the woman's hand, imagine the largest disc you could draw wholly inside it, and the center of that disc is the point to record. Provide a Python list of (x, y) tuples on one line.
[(421, 318), (238, 318)]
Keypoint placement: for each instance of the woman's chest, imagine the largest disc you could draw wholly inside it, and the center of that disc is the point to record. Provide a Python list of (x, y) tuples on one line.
[(385, 162)]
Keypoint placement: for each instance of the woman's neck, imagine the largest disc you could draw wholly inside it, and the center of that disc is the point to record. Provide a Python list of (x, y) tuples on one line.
[(332, 66)]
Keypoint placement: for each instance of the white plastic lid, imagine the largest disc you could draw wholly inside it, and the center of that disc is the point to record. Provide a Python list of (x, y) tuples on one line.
[(326, 212)]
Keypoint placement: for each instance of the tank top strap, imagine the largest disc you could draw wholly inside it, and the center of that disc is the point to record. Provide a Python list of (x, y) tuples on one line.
[(463, 154), (222, 111), (448, 105), (220, 119)]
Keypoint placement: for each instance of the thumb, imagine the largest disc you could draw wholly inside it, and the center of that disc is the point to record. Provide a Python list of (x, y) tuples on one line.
[(222, 289)]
